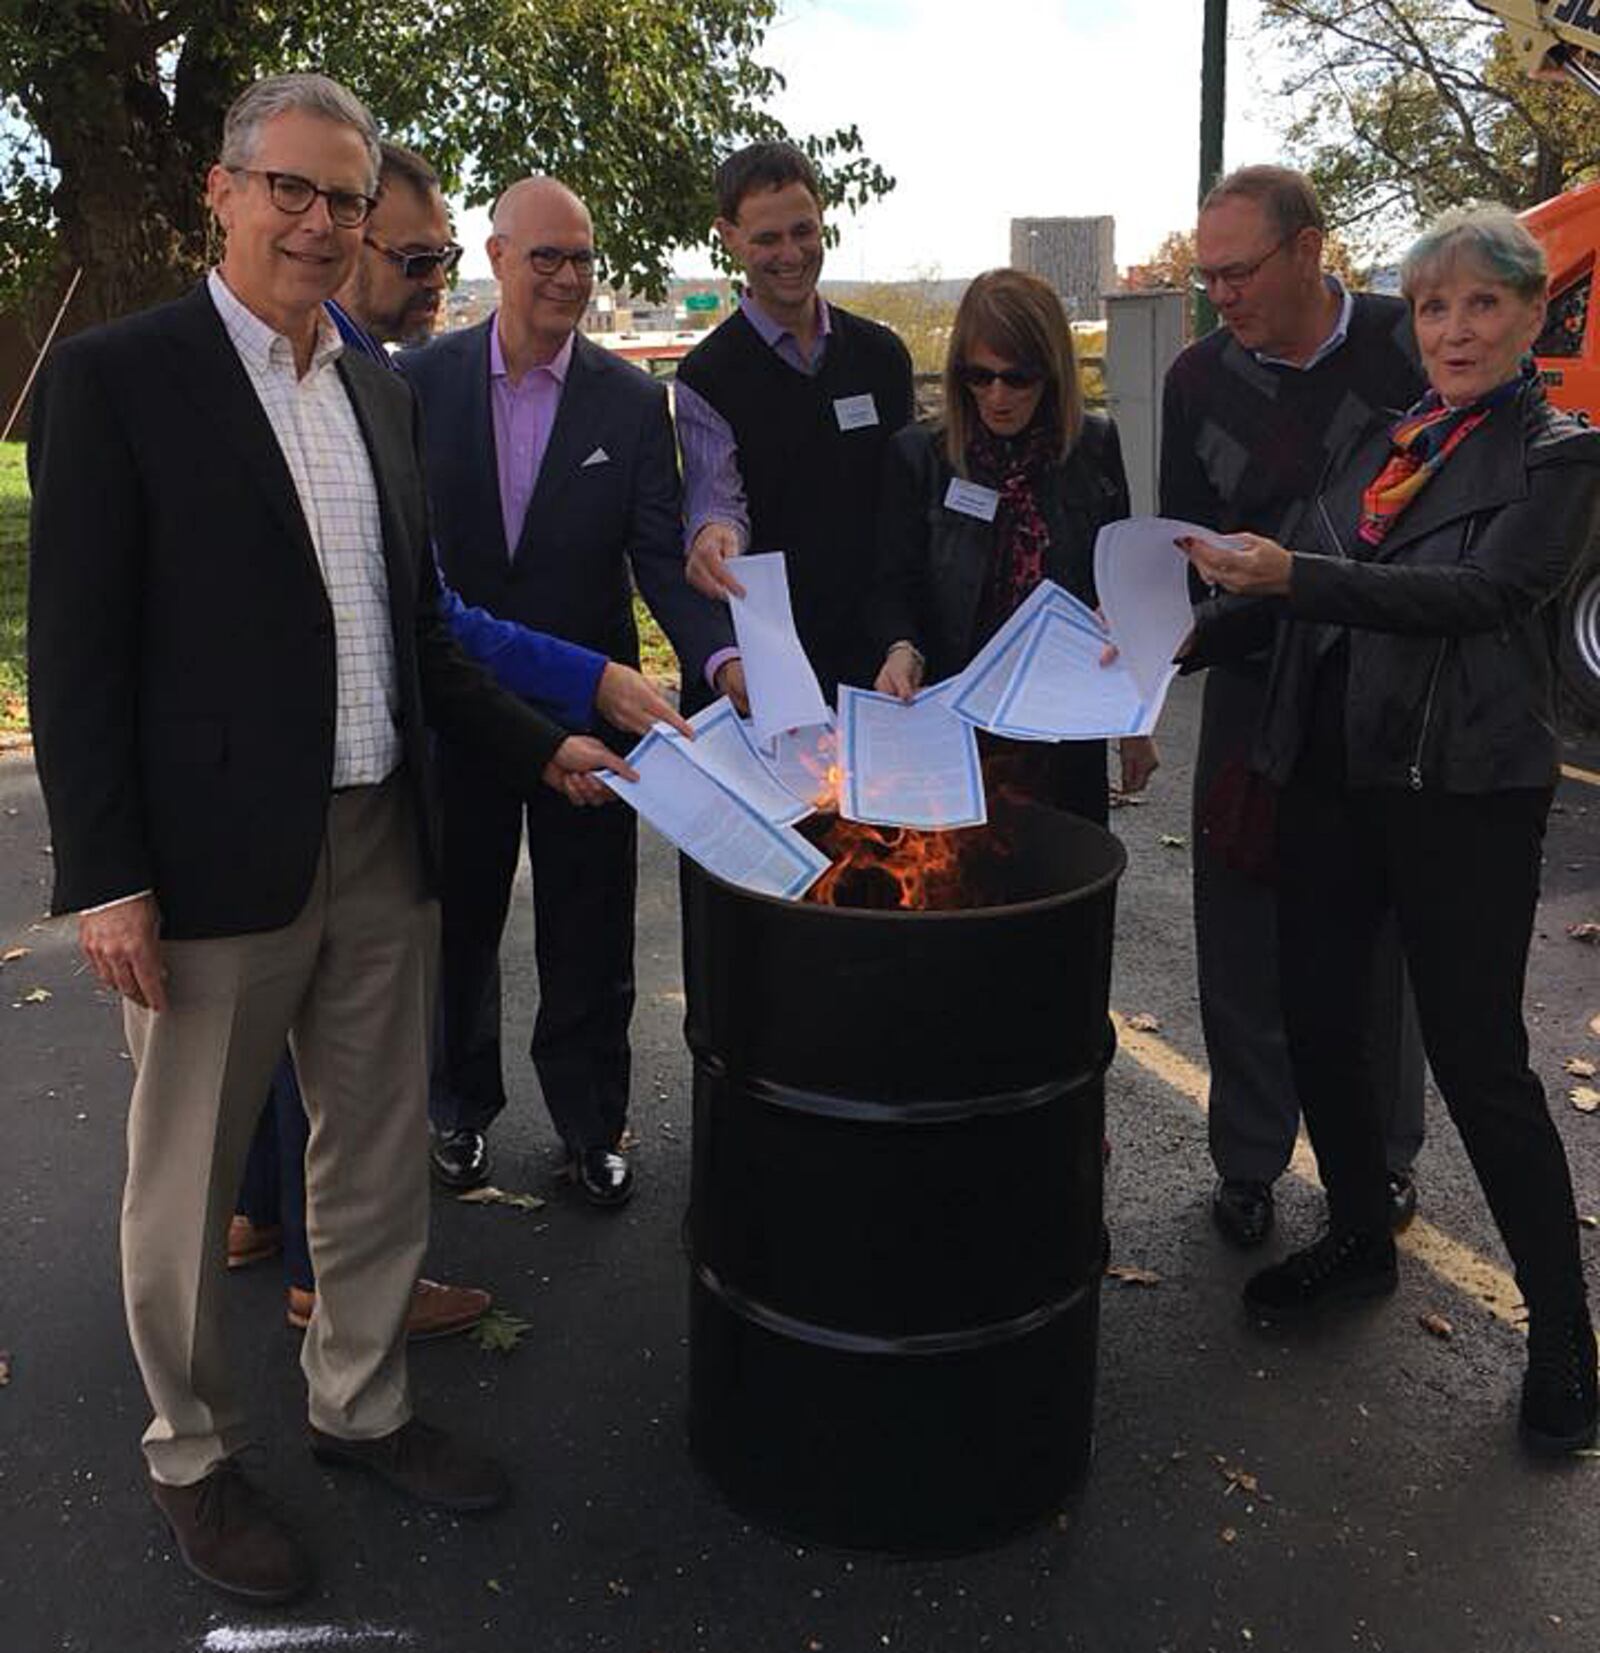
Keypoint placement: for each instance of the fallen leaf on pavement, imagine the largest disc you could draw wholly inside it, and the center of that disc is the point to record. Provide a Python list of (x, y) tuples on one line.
[(498, 1332), (1579, 1068), (1589, 1222), (1240, 1480), (1131, 1276), (36, 995), (1588, 931), (1228, 1535), (1594, 1026), (490, 1195), (1585, 1098), (1144, 1022), (12, 954), (5, 1367), (493, 1584), (1436, 1324), (1174, 840)]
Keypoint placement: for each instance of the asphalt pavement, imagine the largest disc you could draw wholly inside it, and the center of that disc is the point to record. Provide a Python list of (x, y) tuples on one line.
[(1351, 1487)]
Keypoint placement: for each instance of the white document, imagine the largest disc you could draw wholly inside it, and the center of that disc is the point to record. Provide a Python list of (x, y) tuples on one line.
[(1143, 581), (723, 748), (909, 764), (805, 762), (976, 692), (714, 826), (783, 689), (1060, 691)]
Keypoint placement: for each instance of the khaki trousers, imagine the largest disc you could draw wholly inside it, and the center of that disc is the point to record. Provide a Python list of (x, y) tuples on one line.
[(350, 984)]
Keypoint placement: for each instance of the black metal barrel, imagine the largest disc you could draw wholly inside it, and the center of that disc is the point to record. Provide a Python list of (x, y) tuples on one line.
[(895, 1231)]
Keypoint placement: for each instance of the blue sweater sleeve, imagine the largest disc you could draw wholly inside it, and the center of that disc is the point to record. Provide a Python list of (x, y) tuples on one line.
[(558, 677)]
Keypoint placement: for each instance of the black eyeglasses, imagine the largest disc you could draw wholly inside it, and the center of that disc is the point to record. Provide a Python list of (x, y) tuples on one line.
[(548, 260), (293, 194), (418, 266), (1234, 276), (1013, 378)]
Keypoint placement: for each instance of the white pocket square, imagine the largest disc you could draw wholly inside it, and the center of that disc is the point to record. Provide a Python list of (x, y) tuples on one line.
[(598, 457)]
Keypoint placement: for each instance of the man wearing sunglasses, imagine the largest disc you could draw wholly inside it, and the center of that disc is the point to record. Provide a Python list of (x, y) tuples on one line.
[(1251, 416), (232, 745), (553, 479), (392, 297)]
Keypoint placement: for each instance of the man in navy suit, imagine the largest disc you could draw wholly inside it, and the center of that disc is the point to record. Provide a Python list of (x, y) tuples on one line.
[(551, 472)]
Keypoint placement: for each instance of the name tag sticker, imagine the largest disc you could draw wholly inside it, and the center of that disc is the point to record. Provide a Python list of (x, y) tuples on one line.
[(855, 412), (971, 499)]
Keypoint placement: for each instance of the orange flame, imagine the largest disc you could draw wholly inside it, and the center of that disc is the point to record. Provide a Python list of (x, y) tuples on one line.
[(898, 867)]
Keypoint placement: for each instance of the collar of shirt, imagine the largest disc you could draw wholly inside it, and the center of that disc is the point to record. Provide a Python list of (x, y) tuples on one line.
[(775, 335), (556, 367), (259, 342), (354, 334), (1341, 331)]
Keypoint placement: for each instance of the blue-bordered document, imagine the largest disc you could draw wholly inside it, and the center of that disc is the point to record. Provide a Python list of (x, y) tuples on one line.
[(712, 824), (907, 763), (784, 692), (723, 746)]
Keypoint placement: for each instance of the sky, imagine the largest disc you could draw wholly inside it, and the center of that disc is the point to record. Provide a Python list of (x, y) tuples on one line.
[(986, 110)]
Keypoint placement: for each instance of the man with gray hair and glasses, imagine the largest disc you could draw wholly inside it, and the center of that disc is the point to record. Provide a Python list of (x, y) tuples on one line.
[(1251, 416), (232, 749)]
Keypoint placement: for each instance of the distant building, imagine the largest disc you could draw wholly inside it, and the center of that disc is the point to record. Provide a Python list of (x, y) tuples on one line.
[(1075, 255)]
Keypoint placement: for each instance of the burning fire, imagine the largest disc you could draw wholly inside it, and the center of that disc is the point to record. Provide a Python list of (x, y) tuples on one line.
[(899, 867)]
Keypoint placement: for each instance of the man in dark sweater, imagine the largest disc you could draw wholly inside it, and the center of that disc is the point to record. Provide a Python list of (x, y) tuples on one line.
[(783, 415), (1252, 415)]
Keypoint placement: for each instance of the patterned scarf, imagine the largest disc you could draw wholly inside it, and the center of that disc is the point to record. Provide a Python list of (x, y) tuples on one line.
[(1013, 468), (1420, 442)]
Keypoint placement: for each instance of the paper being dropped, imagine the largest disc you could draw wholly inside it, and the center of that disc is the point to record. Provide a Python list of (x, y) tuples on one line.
[(724, 749), (783, 688), (714, 825), (906, 764), (1143, 581)]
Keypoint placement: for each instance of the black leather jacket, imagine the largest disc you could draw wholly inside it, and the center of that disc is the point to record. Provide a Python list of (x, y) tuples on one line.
[(1451, 672), (933, 563)]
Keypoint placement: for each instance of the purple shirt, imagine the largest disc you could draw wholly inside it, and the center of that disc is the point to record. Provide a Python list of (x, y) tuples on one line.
[(713, 490), (524, 415)]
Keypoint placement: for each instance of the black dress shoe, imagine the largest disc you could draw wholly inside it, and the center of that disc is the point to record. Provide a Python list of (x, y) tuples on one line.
[(1560, 1399), (1338, 1268), (422, 1462), (460, 1159), (1242, 1211), (604, 1175), (1402, 1201)]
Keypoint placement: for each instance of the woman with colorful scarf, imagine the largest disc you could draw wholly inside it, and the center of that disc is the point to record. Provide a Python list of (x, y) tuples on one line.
[(1009, 489), (1411, 727)]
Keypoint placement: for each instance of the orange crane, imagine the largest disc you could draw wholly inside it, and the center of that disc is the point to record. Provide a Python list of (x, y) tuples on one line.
[(1561, 39)]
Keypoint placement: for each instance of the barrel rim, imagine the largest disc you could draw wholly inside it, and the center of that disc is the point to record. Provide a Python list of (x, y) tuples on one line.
[(1080, 893)]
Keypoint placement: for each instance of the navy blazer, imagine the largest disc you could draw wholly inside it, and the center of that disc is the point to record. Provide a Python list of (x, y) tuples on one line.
[(181, 644), (607, 498)]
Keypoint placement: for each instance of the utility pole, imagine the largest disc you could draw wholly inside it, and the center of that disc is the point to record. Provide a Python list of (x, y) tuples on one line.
[(1213, 106)]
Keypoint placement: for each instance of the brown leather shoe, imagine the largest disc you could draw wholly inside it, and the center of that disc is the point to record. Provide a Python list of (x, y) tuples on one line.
[(436, 1310), (227, 1535), (249, 1244), (423, 1463)]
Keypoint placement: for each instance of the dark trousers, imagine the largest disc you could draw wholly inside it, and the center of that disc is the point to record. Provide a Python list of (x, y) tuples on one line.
[(585, 874), (273, 1192), (1461, 875), (1254, 1109)]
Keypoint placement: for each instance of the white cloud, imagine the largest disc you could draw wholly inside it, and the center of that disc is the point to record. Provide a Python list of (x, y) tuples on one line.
[(985, 110)]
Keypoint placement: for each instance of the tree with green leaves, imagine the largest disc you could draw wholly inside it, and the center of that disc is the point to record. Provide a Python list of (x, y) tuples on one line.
[(1404, 107), (111, 111)]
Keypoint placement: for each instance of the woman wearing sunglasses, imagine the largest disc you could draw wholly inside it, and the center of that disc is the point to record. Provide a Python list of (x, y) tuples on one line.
[(1008, 489)]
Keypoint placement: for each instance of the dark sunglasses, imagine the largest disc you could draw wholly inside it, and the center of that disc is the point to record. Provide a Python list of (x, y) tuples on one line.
[(1013, 378), (293, 195), (418, 266)]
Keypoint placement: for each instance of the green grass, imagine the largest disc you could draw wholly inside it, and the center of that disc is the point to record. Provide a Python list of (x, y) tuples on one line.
[(656, 659), (13, 589)]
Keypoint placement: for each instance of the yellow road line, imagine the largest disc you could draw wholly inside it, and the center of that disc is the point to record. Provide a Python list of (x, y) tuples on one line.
[(1574, 773), (1457, 1265)]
